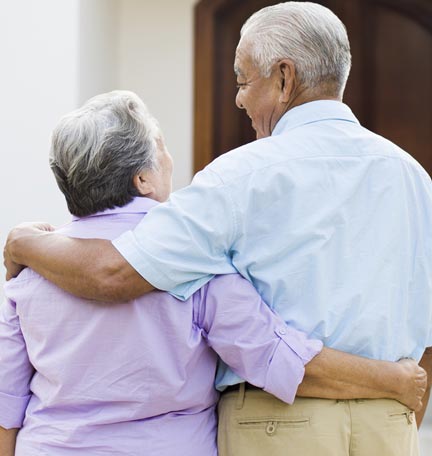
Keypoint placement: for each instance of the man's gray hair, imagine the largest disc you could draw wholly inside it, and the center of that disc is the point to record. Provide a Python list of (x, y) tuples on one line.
[(98, 149), (309, 34)]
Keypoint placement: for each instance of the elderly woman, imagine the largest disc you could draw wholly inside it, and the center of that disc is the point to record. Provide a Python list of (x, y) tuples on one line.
[(135, 378)]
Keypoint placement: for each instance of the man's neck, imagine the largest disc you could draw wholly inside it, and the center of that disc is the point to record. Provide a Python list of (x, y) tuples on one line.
[(302, 95), (306, 95)]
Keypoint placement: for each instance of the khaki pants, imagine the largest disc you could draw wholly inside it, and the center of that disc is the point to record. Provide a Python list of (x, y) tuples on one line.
[(254, 423)]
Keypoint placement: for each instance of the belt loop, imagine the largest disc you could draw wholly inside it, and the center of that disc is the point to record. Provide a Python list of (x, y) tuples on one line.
[(240, 397)]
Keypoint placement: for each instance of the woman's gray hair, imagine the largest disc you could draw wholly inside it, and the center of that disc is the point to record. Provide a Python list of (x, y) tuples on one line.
[(98, 149), (309, 34)]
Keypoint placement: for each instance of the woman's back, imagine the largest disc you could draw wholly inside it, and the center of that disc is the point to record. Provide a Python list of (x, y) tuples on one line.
[(130, 378)]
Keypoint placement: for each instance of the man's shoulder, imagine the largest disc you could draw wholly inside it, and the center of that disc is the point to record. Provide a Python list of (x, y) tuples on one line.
[(300, 147), (267, 155), (412, 162), (246, 159), (388, 148)]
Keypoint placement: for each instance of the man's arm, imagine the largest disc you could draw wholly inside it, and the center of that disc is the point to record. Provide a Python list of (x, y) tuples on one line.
[(337, 375), (7, 441), (426, 364), (88, 268), (178, 246)]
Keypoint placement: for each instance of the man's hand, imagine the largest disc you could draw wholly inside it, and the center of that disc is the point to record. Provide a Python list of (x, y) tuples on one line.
[(19, 233), (413, 382)]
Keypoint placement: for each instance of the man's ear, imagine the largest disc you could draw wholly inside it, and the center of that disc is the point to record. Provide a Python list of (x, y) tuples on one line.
[(143, 184), (287, 75)]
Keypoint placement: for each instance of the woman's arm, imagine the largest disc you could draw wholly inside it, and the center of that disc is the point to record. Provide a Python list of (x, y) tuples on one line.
[(259, 346)]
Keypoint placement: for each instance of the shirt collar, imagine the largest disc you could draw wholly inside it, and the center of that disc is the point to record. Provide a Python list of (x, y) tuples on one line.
[(139, 205), (314, 111)]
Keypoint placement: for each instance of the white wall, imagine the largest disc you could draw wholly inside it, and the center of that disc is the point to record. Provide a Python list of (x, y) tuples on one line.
[(155, 61), (98, 49), (56, 54), (39, 82)]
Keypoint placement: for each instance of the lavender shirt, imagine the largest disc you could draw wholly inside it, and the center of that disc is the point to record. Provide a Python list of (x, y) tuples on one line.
[(134, 378)]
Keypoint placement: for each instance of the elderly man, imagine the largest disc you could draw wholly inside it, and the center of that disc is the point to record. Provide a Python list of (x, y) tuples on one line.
[(329, 221)]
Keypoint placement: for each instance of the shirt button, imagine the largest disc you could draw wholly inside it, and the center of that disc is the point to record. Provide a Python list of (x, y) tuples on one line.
[(282, 331)]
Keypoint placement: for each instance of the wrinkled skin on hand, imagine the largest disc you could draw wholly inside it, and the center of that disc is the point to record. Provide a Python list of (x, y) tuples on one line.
[(16, 235), (413, 384)]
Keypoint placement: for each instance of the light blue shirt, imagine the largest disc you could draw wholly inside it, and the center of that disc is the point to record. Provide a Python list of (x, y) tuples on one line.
[(330, 222)]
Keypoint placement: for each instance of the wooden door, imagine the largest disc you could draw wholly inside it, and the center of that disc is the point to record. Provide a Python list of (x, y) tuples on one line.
[(389, 89)]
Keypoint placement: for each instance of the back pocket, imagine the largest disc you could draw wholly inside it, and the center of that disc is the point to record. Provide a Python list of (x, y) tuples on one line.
[(271, 425)]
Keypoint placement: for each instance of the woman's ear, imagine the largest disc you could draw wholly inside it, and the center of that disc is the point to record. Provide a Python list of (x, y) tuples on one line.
[(143, 183)]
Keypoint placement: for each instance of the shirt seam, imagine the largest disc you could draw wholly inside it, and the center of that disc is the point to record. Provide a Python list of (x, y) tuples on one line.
[(289, 159), (308, 122)]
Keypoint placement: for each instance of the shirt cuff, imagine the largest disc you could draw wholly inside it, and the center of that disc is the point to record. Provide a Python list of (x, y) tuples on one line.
[(137, 258), (12, 410), (294, 350), (141, 262)]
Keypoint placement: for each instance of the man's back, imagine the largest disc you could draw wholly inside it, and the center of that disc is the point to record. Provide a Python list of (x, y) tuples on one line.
[(341, 220), (329, 221)]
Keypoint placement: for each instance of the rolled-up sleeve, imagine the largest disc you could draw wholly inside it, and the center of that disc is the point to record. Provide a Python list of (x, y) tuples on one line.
[(181, 244), (293, 352), (16, 370), (251, 339)]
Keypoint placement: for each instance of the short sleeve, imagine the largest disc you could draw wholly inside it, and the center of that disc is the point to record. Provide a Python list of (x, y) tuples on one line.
[(181, 244)]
